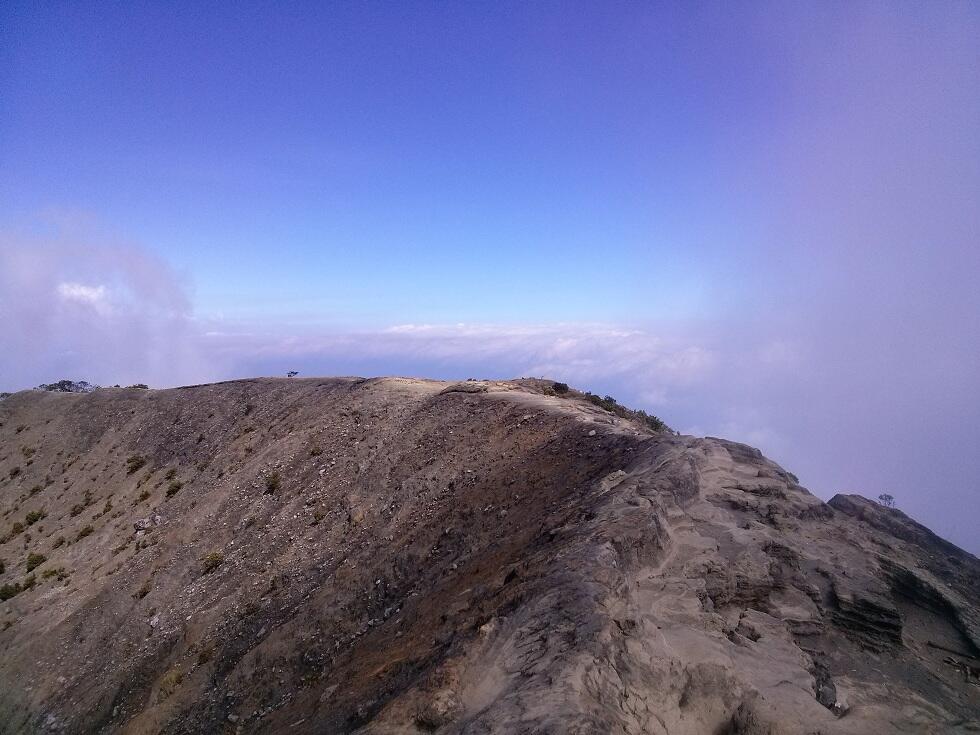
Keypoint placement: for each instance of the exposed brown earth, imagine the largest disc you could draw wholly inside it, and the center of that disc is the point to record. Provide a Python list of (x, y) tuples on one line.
[(408, 556)]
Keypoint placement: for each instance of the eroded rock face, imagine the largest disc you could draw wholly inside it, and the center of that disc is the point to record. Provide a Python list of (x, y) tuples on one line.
[(399, 556)]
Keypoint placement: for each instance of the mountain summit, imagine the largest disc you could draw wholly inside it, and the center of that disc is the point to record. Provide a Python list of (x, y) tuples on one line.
[(409, 556)]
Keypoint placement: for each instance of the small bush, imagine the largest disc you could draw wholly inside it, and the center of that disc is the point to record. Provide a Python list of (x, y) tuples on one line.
[(35, 560), (87, 531), (171, 474), (169, 683), (610, 404), (59, 542), (134, 463), (560, 388), (173, 488), (28, 452), (2, 566), (10, 590), (14, 471), (212, 561), (79, 507), (141, 386), (143, 591), (272, 483), (143, 496), (35, 490), (34, 516), (315, 451)]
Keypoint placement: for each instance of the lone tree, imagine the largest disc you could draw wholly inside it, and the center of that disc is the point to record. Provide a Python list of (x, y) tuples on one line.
[(886, 500)]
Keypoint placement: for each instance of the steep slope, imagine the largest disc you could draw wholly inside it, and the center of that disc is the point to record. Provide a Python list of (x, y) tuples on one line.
[(399, 556)]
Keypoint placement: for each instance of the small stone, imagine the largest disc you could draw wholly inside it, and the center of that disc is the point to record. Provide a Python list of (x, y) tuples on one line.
[(592, 433), (233, 718)]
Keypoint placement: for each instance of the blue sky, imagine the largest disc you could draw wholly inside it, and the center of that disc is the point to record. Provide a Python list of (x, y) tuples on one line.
[(755, 219)]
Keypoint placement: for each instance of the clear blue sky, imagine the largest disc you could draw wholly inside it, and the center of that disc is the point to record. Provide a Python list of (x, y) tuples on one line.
[(361, 160), (759, 219)]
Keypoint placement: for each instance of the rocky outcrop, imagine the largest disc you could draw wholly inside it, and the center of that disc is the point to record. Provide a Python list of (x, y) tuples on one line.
[(398, 556)]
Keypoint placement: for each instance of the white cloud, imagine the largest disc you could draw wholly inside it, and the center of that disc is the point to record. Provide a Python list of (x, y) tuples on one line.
[(78, 293)]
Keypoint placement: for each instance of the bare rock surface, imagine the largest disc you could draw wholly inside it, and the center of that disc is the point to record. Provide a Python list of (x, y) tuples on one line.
[(408, 556)]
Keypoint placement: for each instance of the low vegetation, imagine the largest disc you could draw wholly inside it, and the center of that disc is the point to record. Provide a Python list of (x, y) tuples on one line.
[(12, 590), (135, 463), (35, 560), (34, 516), (610, 404), (212, 561)]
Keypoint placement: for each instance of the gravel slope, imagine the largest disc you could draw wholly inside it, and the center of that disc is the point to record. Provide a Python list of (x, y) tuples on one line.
[(403, 556)]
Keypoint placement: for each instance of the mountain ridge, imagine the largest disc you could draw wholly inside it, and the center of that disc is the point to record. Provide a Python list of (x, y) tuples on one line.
[(400, 555)]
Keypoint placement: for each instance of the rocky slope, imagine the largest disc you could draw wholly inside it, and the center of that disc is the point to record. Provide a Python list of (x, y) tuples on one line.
[(406, 556)]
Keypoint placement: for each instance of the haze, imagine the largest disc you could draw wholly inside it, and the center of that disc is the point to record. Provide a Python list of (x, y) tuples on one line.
[(757, 221)]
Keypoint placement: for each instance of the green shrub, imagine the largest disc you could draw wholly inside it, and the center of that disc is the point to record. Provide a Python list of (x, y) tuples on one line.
[(610, 404), (315, 451), (173, 488), (171, 474), (59, 542), (212, 561), (79, 507), (10, 590), (272, 482), (87, 531), (34, 516), (143, 496), (560, 388), (14, 471), (134, 463), (35, 560)]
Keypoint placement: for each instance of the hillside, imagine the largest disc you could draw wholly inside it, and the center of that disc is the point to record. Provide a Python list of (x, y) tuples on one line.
[(408, 556)]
